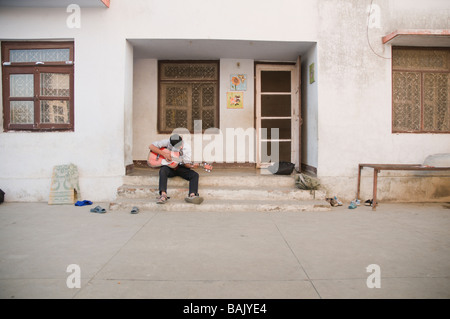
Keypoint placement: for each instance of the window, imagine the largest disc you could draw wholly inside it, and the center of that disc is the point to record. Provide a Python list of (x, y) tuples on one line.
[(38, 86), (188, 92), (420, 90)]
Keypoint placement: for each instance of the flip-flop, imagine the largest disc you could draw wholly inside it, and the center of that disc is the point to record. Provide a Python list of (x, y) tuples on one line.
[(134, 210), (83, 203), (99, 210)]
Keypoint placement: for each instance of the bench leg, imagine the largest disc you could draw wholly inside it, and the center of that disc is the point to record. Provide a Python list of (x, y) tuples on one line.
[(359, 181), (375, 180)]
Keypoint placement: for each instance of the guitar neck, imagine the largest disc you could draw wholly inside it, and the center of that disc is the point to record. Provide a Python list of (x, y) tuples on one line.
[(206, 166), (193, 163)]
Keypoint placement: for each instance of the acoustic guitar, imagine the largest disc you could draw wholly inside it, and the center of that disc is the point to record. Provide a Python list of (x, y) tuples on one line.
[(156, 160)]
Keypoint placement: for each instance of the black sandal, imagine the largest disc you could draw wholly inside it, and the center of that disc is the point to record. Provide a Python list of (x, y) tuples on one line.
[(369, 202)]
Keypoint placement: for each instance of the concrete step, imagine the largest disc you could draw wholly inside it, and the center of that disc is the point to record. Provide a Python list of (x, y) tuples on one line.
[(223, 190), (218, 180), (210, 205), (237, 192)]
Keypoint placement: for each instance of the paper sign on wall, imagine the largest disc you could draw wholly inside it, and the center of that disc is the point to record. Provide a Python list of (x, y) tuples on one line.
[(235, 100), (238, 82)]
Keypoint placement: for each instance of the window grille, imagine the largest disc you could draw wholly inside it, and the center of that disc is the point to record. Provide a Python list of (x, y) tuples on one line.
[(420, 90), (188, 92)]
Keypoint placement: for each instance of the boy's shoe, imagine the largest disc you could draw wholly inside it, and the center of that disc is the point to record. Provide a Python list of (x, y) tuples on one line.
[(162, 199), (339, 203), (194, 199), (332, 202)]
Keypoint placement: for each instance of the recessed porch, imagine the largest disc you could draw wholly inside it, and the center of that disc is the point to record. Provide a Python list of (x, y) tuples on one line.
[(234, 56)]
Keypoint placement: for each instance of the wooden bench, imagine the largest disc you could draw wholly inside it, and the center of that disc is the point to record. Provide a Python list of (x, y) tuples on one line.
[(391, 167)]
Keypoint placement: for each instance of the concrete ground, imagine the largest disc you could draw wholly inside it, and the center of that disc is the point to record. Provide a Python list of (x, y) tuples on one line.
[(225, 255)]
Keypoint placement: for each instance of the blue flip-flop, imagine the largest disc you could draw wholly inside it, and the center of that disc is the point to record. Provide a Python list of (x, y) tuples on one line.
[(99, 210), (83, 203)]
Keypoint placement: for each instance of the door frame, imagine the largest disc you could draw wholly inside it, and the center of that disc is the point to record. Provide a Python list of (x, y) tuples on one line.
[(295, 108)]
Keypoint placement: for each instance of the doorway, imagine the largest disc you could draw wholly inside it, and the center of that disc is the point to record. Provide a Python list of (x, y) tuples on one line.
[(277, 114)]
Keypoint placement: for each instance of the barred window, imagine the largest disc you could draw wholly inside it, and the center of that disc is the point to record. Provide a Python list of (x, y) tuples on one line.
[(420, 90), (188, 92), (37, 86)]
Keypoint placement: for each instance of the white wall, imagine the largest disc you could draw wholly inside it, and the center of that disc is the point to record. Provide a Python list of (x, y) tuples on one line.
[(128, 105), (237, 121), (355, 97), (145, 107), (285, 20), (96, 146), (310, 108)]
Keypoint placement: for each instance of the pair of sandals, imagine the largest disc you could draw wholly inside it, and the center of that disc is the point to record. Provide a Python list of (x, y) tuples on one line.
[(101, 210)]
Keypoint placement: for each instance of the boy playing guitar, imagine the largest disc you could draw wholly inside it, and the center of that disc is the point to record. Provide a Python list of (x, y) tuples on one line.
[(165, 154)]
